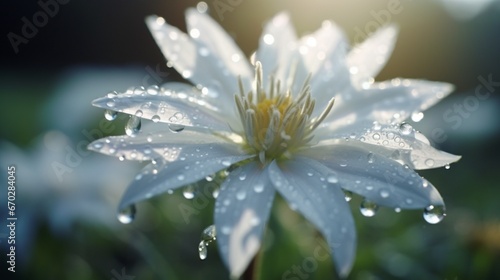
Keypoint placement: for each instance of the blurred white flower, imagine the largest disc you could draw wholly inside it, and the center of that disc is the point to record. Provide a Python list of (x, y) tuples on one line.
[(279, 130)]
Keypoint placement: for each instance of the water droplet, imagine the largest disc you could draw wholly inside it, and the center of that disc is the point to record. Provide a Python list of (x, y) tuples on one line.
[(376, 136), (242, 176), (180, 177), (111, 94), (189, 192), (110, 115), (434, 214), (155, 118), (226, 163), (121, 158), (397, 210), (153, 90), (332, 179), (384, 193), (376, 126), (447, 166), (209, 233), (258, 188), (348, 195), (175, 127), (186, 74), (133, 126), (371, 158), (204, 51), (110, 104), (127, 215), (368, 208), (202, 7), (429, 162), (241, 195), (268, 39), (138, 113), (417, 116), (405, 128), (202, 250)]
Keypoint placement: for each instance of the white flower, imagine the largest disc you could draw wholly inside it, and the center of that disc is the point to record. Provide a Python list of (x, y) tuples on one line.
[(280, 130)]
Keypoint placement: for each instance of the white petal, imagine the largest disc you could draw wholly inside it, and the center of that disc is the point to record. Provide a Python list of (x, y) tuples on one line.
[(325, 58), (376, 177), (228, 57), (302, 182), (175, 103), (276, 46), (241, 213), (168, 145), (198, 63), (367, 59), (411, 148), (386, 102), (193, 163)]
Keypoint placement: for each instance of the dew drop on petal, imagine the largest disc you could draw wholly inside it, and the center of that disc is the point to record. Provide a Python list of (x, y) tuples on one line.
[(127, 215), (138, 113), (225, 230), (176, 127), (384, 193), (133, 126), (376, 125), (434, 214), (376, 136), (405, 128), (429, 162), (368, 208), (258, 188), (241, 195), (110, 115), (155, 118), (397, 210), (447, 166), (332, 179), (202, 250), (268, 39), (371, 158)]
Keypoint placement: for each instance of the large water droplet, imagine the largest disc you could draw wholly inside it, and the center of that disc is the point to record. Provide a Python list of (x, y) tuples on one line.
[(127, 215), (368, 208), (405, 128), (133, 126), (110, 115), (202, 250), (434, 214)]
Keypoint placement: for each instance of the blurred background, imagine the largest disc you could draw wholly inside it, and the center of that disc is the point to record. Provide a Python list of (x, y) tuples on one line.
[(66, 197)]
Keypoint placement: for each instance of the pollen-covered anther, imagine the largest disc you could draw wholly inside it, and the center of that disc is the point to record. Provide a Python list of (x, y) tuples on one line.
[(276, 123)]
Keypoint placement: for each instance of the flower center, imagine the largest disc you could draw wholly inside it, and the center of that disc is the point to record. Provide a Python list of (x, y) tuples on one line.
[(275, 124)]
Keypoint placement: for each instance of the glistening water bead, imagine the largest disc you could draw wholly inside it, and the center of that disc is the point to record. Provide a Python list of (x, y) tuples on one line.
[(127, 215), (434, 214), (207, 236), (110, 115), (368, 208), (133, 126)]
